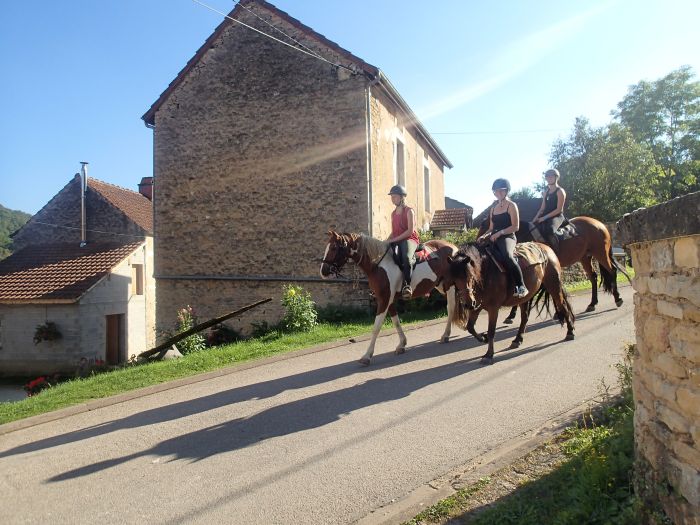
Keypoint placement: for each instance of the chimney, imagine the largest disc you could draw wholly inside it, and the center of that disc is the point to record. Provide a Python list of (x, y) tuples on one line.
[(83, 188), (146, 187)]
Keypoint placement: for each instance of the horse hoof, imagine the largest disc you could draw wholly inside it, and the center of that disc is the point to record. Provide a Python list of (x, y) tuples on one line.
[(507, 320), (400, 350), (445, 339), (482, 338), (618, 302), (487, 360), (515, 344), (570, 337), (591, 308), (364, 361)]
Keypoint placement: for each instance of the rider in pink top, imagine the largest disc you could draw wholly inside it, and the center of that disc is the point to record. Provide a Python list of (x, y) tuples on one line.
[(404, 235)]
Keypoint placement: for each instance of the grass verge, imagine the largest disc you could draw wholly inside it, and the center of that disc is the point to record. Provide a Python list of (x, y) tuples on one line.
[(578, 286), (583, 476)]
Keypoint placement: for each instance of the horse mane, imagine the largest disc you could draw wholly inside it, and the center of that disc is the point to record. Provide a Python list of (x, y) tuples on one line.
[(476, 255), (369, 247)]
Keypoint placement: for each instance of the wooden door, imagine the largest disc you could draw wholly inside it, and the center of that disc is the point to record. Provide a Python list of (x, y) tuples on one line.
[(114, 339)]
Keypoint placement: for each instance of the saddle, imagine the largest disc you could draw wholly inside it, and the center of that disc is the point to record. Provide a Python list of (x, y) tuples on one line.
[(526, 254), (565, 231)]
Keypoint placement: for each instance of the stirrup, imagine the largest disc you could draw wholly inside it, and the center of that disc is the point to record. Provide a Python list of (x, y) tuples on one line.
[(406, 292)]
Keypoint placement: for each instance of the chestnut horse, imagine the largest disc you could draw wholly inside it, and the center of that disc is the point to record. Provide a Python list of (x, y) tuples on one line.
[(481, 285), (592, 241), (375, 259)]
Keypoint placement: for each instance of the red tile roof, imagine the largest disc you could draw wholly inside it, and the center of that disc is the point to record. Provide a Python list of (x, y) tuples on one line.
[(58, 273), (452, 219), (137, 207)]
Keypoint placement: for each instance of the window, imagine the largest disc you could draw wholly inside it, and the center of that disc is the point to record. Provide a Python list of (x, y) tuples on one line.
[(426, 187), (137, 279), (399, 165)]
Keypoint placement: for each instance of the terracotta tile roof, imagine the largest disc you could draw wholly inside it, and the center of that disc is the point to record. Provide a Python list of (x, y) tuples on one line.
[(137, 207), (60, 272), (452, 219)]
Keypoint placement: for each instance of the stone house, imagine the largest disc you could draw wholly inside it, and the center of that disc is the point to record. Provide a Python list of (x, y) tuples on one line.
[(94, 283), (260, 149)]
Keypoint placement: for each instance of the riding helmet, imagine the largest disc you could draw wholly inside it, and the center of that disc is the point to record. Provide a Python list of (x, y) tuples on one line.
[(501, 184), (398, 190), (554, 172)]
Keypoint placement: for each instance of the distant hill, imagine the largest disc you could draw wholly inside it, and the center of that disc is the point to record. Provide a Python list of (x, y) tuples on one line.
[(10, 221)]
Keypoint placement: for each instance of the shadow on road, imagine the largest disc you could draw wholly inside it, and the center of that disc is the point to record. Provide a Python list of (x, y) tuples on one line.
[(296, 416), (271, 388)]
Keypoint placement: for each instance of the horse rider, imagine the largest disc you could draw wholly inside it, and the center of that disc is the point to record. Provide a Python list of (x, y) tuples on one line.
[(404, 235), (504, 221), (551, 213)]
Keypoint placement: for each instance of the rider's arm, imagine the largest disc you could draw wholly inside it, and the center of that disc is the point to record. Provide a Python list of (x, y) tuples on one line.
[(411, 219)]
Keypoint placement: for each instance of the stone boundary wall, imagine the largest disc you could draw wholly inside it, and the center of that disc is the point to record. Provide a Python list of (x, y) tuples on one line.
[(664, 241)]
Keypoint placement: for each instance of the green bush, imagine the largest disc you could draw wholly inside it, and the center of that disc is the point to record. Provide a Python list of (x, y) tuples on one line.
[(456, 238), (301, 312), (186, 319)]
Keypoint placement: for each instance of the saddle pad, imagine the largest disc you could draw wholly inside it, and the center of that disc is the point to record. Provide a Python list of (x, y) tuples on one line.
[(530, 254), (425, 254)]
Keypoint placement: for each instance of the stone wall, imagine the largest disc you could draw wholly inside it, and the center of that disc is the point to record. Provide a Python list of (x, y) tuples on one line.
[(665, 245)]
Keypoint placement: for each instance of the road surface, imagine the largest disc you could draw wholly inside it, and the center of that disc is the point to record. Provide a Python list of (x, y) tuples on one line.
[(313, 438)]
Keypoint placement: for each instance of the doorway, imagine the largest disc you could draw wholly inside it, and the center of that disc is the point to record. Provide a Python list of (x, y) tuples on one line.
[(115, 339)]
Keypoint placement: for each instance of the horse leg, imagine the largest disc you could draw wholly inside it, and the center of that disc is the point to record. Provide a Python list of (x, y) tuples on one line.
[(473, 316), (587, 263), (511, 316), (451, 302), (524, 316), (487, 358), (397, 324), (382, 307)]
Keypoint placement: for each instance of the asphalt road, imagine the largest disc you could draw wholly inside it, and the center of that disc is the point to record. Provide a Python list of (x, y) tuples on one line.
[(310, 439)]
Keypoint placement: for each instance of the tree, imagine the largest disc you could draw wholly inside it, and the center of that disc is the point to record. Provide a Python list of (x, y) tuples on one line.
[(605, 171), (525, 192), (665, 116)]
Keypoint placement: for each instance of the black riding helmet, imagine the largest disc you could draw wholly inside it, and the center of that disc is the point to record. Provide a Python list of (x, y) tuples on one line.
[(501, 184), (397, 189)]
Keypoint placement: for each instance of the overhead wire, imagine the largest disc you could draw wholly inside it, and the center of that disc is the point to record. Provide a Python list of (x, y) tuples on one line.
[(305, 51)]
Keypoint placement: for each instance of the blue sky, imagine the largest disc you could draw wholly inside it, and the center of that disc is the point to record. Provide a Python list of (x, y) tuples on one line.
[(495, 83)]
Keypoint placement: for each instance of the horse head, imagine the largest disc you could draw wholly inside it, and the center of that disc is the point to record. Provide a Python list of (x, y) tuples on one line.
[(338, 251), (464, 275)]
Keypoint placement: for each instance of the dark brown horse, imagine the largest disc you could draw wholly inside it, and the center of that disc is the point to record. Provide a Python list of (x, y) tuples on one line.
[(375, 259), (481, 285), (592, 241)]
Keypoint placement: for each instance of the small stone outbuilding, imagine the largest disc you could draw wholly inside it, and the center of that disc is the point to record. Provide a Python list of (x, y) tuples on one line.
[(259, 149), (95, 291)]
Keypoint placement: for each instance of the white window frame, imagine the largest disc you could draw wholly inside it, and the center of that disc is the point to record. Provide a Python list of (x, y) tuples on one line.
[(426, 185), (399, 177)]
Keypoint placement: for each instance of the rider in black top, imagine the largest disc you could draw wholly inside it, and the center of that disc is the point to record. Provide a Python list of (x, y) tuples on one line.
[(551, 214), (504, 222)]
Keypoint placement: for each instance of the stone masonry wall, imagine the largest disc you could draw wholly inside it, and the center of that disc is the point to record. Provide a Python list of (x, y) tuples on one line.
[(665, 247), (259, 151)]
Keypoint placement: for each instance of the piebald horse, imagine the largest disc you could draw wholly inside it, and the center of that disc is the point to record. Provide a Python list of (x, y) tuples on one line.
[(375, 259)]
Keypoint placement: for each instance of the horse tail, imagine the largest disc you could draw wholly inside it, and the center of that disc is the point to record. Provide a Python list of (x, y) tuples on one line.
[(619, 267), (542, 301)]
